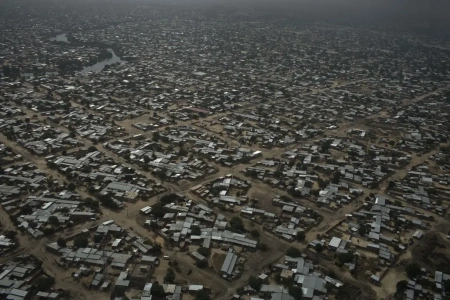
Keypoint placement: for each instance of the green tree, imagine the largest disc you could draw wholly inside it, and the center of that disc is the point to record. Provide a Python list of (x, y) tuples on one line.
[(170, 276), (204, 251), (157, 249), (155, 136), (53, 220), (81, 242), (44, 283), (61, 242), (293, 252), (346, 257), (201, 264), (71, 187), (336, 177), (202, 295), (296, 292), (413, 270), (362, 230), (157, 290), (301, 235), (255, 283), (255, 233), (401, 286), (195, 230), (263, 247), (236, 225), (318, 247)]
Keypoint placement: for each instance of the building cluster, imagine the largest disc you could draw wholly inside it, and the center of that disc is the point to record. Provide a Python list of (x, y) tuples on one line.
[(113, 183), (24, 279), (425, 185), (37, 203), (377, 233), (153, 157)]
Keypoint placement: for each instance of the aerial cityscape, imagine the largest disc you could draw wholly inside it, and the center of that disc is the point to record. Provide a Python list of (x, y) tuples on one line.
[(202, 151)]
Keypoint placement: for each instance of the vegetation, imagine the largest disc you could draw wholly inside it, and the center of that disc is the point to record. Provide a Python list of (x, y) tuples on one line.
[(401, 286), (204, 251), (202, 295), (157, 290), (413, 270), (44, 283), (201, 264), (362, 230), (170, 276), (195, 230), (301, 235), (170, 198), (158, 210), (255, 233), (81, 242), (293, 252), (263, 247), (318, 247), (255, 283), (296, 292), (53, 220), (61, 242), (346, 257), (236, 225)]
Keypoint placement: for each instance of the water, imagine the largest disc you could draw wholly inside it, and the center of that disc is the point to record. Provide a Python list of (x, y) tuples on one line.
[(101, 64), (60, 38)]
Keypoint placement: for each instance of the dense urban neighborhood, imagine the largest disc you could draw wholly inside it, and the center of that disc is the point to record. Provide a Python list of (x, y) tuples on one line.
[(150, 151)]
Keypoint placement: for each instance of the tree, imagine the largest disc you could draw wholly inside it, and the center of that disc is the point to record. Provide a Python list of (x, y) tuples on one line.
[(236, 225), (81, 242), (263, 247), (346, 257), (170, 198), (147, 159), (318, 247), (195, 230), (158, 210), (53, 220), (301, 235), (170, 276), (48, 231), (362, 230), (255, 283), (255, 233), (322, 184), (71, 187), (201, 264), (44, 283), (157, 249), (155, 137), (10, 234), (202, 295), (61, 242), (336, 177), (204, 251), (293, 252), (157, 290), (296, 292), (413, 270), (401, 286)]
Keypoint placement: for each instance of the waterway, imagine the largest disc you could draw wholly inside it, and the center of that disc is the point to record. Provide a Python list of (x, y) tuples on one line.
[(60, 38), (98, 67)]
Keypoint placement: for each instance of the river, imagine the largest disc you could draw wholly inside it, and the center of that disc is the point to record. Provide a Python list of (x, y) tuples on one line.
[(95, 68), (98, 67), (60, 38)]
